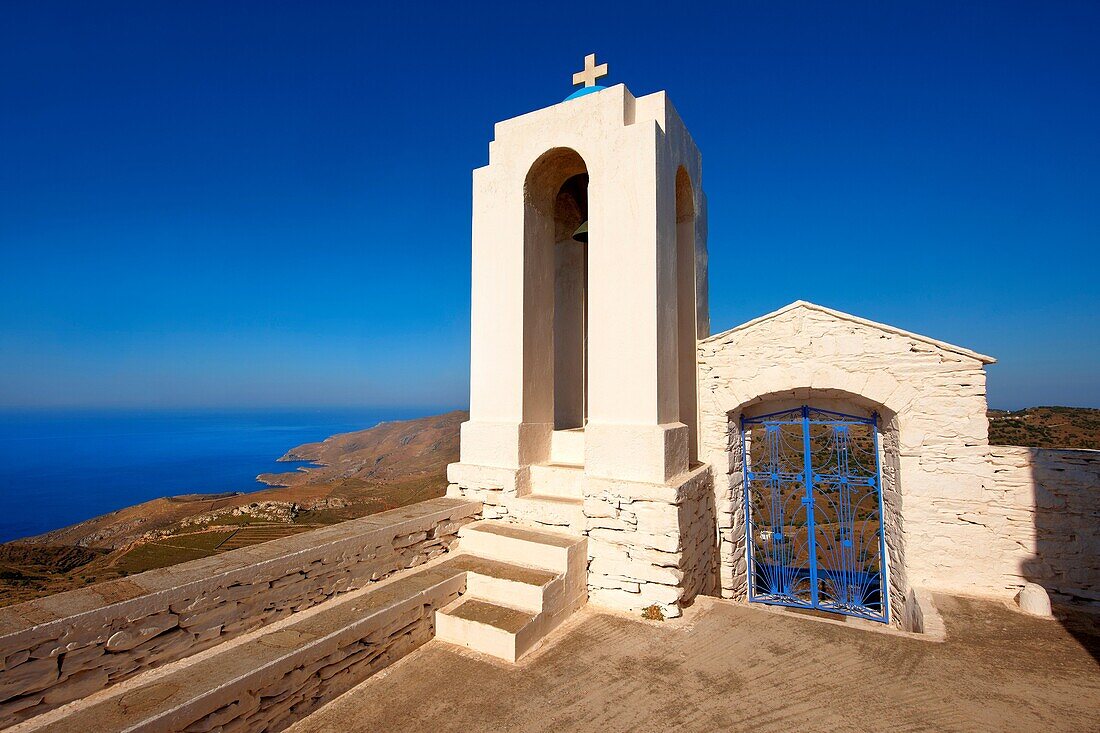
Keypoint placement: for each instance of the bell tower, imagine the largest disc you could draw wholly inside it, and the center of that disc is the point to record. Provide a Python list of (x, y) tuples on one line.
[(589, 294)]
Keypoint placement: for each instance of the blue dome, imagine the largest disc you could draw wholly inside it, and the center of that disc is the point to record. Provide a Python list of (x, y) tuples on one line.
[(583, 91)]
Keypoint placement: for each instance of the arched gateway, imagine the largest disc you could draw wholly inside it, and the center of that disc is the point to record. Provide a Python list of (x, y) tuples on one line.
[(814, 511), (843, 450)]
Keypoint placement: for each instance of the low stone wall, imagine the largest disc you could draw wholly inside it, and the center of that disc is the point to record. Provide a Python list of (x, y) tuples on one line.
[(699, 557), (1043, 511), (292, 688), (64, 647)]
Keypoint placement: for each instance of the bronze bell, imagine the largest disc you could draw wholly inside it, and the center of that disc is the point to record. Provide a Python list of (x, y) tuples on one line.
[(581, 235)]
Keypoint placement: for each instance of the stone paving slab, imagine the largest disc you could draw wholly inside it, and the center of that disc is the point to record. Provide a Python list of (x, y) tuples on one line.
[(501, 617)]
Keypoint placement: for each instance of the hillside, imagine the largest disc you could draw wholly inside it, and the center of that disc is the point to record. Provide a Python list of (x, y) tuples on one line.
[(1046, 427), (393, 451), (358, 473)]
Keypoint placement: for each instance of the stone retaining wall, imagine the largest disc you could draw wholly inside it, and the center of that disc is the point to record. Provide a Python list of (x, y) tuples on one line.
[(64, 647), (1043, 509)]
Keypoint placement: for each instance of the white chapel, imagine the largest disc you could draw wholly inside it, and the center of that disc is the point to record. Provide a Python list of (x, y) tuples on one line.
[(809, 458)]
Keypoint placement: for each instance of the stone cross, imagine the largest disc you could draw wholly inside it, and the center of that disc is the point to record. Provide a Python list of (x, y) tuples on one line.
[(591, 73)]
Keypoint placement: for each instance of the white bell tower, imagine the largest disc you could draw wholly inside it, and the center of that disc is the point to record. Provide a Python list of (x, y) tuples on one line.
[(589, 294)]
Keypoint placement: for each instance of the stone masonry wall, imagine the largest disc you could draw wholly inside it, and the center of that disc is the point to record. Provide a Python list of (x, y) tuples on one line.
[(1043, 508), (931, 395), (64, 647), (893, 524), (699, 557), (494, 488), (321, 668), (650, 544), (306, 686), (729, 503)]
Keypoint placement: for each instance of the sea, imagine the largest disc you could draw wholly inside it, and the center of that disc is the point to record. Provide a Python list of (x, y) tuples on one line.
[(59, 467)]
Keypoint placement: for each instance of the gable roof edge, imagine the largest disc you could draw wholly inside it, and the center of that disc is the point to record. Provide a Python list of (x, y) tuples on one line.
[(854, 319)]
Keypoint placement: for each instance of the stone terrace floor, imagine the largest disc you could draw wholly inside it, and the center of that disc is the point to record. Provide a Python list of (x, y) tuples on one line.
[(729, 667)]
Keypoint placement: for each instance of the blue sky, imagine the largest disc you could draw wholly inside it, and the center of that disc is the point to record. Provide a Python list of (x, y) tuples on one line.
[(244, 204)]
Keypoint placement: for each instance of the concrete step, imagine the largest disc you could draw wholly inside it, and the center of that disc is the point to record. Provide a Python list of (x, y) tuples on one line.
[(528, 589), (494, 629), (553, 512), (553, 479), (523, 546), (520, 584), (567, 447)]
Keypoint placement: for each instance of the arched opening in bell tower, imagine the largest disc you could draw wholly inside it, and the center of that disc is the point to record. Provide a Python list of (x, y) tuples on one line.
[(556, 290), (571, 303), (686, 309)]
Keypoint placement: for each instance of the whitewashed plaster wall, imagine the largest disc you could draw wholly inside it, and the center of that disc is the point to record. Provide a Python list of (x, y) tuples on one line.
[(1045, 516)]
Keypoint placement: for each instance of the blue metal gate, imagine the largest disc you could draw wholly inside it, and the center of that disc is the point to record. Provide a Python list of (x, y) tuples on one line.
[(813, 512)]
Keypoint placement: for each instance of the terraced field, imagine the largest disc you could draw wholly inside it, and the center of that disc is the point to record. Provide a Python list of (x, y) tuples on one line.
[(151, 555), (184, 547), (262, 533)]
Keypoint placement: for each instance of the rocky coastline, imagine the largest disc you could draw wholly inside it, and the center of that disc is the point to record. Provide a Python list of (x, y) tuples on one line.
[(348, 475)]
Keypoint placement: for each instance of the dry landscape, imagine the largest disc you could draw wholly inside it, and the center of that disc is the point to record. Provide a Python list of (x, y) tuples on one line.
[(358, 473), (1046, 427)]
